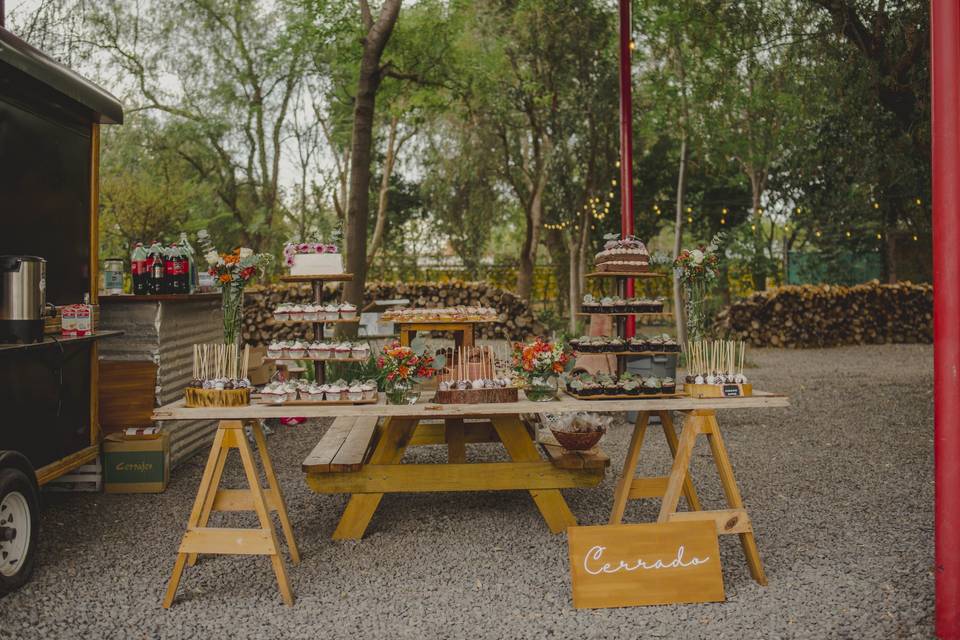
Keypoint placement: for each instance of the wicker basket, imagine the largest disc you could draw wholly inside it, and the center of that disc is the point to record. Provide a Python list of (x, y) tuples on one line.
[(573, 441), (217, 397)]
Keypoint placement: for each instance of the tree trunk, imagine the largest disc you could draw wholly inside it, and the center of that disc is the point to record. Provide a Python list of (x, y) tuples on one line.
[(358, 208), (758, 268), (679, 311), (531, 240), (381, 223)]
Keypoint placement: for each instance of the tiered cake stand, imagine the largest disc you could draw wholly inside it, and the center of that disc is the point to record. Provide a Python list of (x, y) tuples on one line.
[(317, 283), (620, 319)]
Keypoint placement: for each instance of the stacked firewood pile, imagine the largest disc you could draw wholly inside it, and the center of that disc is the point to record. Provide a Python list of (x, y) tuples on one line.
[(830, 315), (517, 321)]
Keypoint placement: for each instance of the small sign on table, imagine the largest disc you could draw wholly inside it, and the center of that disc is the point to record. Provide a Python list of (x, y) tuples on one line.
[(643, 564)]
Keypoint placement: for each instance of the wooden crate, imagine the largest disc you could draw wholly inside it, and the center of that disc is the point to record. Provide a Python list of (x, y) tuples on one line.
[(127, 390)]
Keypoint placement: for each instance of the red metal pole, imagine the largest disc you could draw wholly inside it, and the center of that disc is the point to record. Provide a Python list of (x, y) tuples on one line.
[(944, 77), (626, 140)]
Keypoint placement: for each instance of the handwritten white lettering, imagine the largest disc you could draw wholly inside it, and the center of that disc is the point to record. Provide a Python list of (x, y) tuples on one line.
[(591, 562)]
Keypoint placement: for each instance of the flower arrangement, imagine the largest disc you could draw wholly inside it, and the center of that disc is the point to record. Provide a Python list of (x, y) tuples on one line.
[(232, 271), (402, 367), (697, 269), (539, 362), (311, 245)]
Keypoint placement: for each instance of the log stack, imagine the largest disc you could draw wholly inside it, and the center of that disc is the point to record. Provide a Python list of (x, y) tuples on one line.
[(830, 315), (516, 321)]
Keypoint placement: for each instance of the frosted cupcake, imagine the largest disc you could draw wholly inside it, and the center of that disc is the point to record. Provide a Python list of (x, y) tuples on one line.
[(369, 390), (342, 351), (333, 392), (360, 351), (348, 311), (275, 350), (311, 312), (297, 350), (282, 313), (296, 312), (314, 393), (355, 393), (331, 312), (316, 350), (274, 393)]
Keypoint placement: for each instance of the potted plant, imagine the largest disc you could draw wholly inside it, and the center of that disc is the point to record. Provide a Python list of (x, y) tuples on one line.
[(538, 365), (231, 272), (402, 368)]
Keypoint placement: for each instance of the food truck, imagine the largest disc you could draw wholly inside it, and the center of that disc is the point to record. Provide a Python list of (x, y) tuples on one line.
[(50, 121)]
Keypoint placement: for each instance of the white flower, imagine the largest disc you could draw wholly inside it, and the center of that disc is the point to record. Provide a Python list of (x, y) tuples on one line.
[(697, 256), (212, 257), (245, 253)]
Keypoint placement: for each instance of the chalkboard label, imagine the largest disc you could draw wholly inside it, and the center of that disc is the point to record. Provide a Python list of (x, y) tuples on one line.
[(731, 390)]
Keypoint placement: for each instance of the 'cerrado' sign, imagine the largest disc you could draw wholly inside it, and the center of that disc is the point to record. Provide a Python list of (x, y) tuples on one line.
[(640, 564)]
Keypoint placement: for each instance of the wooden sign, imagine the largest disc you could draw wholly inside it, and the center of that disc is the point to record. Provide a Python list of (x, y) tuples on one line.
[(642, 564)]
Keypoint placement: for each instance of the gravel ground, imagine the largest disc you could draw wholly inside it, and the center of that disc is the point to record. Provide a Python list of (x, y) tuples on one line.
[(839, 488)]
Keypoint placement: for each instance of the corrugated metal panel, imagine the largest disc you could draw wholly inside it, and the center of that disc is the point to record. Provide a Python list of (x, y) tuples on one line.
[(165, 332)]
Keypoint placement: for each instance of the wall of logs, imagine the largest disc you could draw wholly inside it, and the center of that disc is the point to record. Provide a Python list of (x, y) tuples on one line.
[(831, 315), (517, 321)]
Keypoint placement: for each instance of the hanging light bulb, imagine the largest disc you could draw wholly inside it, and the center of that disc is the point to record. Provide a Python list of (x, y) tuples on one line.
[(919, 202), (818, 233), (848, 234), (876, 205), (723, 221), (724, 211)]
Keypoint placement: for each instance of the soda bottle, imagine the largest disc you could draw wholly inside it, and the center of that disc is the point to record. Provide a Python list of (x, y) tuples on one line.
[(181, 270), (191, 258), (169, 270), (156, 259), (138, 269)]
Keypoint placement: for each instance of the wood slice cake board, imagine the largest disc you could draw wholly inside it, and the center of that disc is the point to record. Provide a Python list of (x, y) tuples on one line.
[(477, 396)]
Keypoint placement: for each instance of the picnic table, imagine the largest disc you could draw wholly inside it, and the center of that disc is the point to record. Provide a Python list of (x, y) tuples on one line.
[(361, 452)]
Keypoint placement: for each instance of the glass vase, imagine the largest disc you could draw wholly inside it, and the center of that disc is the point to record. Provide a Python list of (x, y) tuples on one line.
[(232, 312), (541, 389), (402, 391)]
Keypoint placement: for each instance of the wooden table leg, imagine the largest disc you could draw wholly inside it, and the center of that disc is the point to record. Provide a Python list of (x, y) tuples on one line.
[(622, 492), (522, 448), (666, 420), (390, 449), (734, 500), (455, 433), (262, 541), (274, 491), (681, 464)]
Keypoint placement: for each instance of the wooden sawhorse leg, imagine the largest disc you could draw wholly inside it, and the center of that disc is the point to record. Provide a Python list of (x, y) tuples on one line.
[(630, 487), (728, 521), (390, 448), (263, 541)]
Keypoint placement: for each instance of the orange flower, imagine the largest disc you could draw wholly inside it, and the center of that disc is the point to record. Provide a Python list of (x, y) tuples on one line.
[(225, 278), (233, 258)]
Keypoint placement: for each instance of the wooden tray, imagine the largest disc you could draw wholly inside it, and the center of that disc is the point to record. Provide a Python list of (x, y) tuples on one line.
[(194, 397), (337, 321), (640, 314), (313, 403), (620, 396), (318, 359), (431, 321), (477, 396), (625, 274), (718, 390), (626, 353)]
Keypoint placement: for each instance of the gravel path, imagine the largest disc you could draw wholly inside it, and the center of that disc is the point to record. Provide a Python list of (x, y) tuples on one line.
[(839, 487)]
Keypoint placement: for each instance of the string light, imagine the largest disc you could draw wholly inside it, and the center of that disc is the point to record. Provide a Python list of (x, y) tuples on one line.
[(919, 202), (723, 221), (876, 205), (879, 236), (818, 233), (914, 237), (848, 234)]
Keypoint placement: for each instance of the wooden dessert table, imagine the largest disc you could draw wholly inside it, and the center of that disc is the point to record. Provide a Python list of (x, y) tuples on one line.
[(362, 450)]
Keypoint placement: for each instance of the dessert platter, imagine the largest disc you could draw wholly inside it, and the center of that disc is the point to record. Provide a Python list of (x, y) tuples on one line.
[(313, 258), (619, 305), (636, 345), (622, 255), (626, 386), (442, 315), (715, 370), (318, 350), (304, 393), (219, 377), (315, 312), (476, 376)]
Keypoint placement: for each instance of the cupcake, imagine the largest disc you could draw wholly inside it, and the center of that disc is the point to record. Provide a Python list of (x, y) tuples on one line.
[(369, 390), (606, 305), (670, 345), (314, 393), (316, 350), (636, 344), (611, 388), (342, 351), (331, 312), (590, 304), (296, 312), (360, 351), (325, 350), (282, 313), (334, 392), (616, 344), (311, 312), (668, 385), (275, 350), (651, 386), (274, 393), (355, 393), (348, 311), (296, 350), (655, 344), (630, 387), (575, 387), (619, 305)]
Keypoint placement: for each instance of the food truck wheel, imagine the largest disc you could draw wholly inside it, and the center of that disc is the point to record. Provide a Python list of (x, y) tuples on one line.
[(18, 528)]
